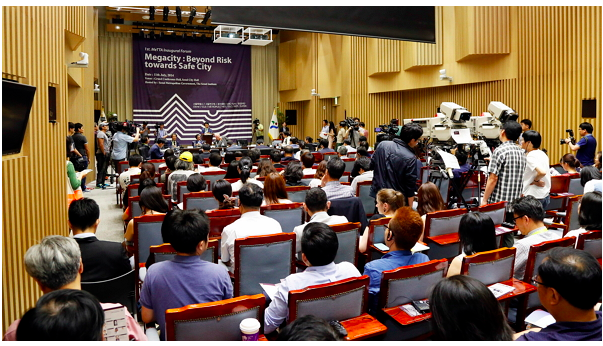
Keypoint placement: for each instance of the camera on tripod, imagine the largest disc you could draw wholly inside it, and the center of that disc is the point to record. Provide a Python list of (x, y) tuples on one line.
[(349, 122), (127, 125), (256, 122), (391, 130), (571, 136)]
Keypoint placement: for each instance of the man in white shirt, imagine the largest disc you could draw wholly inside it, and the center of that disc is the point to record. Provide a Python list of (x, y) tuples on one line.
[(324, 132), (536, 177), (319, 247), (308, 160), (528, 215), (135, 161), (214, 164), (251, 222), (316, 205), (347, 143), (364, 168)]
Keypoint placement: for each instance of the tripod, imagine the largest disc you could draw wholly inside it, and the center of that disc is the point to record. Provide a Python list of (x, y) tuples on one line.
[(439, 177)]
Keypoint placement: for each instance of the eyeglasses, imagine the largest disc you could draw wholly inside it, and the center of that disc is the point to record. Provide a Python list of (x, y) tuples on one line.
[(534, 281), (519, 217)]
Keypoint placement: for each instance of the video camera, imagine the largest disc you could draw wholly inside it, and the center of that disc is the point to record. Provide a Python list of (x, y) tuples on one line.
[(350, 123), (571, 136), (129, 126), (256, 121), (157, 127), (391, 130)]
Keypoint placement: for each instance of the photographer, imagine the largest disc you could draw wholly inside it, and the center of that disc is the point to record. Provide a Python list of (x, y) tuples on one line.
[(102, 155), (258, 130), (81, 145), (340, 134), (352, 133), (587, 145), (121, 140), (395, 164)]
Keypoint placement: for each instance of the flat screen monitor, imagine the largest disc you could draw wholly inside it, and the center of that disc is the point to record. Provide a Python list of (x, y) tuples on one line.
[(17, 99)]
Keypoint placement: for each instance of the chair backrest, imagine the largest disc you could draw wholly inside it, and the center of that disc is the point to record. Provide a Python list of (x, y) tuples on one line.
[(443, 222), (117, 290), (134, 178), (575, 186), (572, 213), (297, 193), (156, 163), (215, 321), (363, 190), (559, 168), (262, 259), (347, 236), (345, 177), (123, 165), (200, 200), (307, 178), (424, 174), (414, 282), (496, 211), (181, 189), (352, 155), (213, 176), (560, 183), (490, 267), (165, 252), (288, 215), (328, 156), (590, 242), (377, 231), (349, 164), (134, 204), (147, 232), (218, 219), (337, 300)]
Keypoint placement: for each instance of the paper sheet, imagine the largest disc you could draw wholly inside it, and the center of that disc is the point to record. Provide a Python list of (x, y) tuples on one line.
[(500, 290), (270, 289), (461, 136), (540, 318), (116, 327), (449, 160), (419, 247)]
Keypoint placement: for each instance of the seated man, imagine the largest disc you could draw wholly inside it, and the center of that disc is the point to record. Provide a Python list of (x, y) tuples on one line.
[(342, 152), (330, 181), (215, 160), (195, 183), (308, 160), (206, 151), (365, 173), (186, 279), (103, 260), (143, 148), (316, 205), (260, 144), (528, 215), (347, 143), (56, 264), (250, 223), (288, 150), (401, 234), (135, 161), (275, 157), (319, 247), (569, 286), (155, 152), (324, 147), (308, 328), (173, 142)]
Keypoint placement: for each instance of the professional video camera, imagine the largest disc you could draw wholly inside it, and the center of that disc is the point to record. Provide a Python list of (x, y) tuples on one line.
[(571, 136), (487, 126), (349, 122), (390, 130), (256, 122)]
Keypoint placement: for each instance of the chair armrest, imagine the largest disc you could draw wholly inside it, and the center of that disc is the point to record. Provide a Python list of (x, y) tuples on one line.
[(152, 334)]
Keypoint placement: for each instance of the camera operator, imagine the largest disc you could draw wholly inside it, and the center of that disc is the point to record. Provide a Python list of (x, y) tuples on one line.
[(352, 133), (395, 165), (121, 140), (102, 155), (81, 144), (340, 134), (587, 145), (258, 130)]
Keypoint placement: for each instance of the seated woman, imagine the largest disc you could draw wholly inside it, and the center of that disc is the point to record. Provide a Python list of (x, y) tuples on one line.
[(294, 174), (464, 309), (274, 190), (151, 203), (569, 163), (232, 171), (477, 234), (222, 191), (589, 214), (320, 172), (145, 180), (590, 178), (388, 201), (244, 169), (195, 183), (265, 167), (429, 200)]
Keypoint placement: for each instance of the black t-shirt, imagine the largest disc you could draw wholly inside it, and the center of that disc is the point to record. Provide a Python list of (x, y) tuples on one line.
[(79, 140), (377, 216)]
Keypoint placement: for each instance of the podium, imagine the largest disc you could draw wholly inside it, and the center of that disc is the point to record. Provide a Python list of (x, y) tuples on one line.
[(207, 138)]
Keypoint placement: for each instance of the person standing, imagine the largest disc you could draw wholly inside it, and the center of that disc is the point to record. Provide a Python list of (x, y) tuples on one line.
[(259, 131), (526, 125), (121, 140), (324, 132), (155, 152), (587, 145), (536, 177), (206, 130), (162, 132), (102, 155), (81, 145), (340, 134)]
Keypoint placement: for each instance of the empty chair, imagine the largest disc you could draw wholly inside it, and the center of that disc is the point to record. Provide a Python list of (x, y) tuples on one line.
[(134, 178), (117, 290), (347, 235), (349, 164), (490, 267), (218, 219), (328, 156), (288, 215), (199, 200), (575, 187), (590, 242), (147, 232), (297, 193), (363, 190), (215, 321), (156, 163), (262, 259), (496, 211), (559, 185), (441, 233)]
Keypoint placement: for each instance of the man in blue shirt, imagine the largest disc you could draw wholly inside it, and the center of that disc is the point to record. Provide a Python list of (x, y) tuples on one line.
[(155, 152), (121, 140), (569, 286), (186, 279), (587, 145), (401, 234)]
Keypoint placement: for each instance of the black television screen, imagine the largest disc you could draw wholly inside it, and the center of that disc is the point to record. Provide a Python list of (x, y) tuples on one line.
[(17, 99)]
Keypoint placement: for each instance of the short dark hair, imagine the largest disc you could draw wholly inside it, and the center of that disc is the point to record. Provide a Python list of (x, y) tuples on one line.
[(168, 152), (406, 226), (259, 141), (215, 159), (532, 137), (251, 195), (309, 139), (512, 130), (588, 127), (254, 154), (63, 315), (196, 182), (275, 155), (294, 140), (144, 183), (411, 131), (308, 159), (347, 141), (588, 173), (160, 141), (590, 211), (135, 160), (316, 200), (319, 243), (70, 125), (364, 163), (335, 167), (362, 151), (184, 229), (197, 159), (308, 328), (463, 308), (83, 213), (78, 126), (206, 146), (477, 233), (361, 123), (574, 274), (324, 143), (527, 122), (287, 133), (293, 172), (288, 149), (170, 162), (527, 206), (461, 156)]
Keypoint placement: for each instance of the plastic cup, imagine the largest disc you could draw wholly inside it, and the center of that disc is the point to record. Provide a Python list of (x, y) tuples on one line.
[(250, 329)]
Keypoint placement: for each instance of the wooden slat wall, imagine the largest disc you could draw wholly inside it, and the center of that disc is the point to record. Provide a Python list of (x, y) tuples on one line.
[(390, 53), (481, 30), (34, 192), (425, 54)]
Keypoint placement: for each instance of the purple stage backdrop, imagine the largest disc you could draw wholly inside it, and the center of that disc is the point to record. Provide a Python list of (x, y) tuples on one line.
[(184, 84)]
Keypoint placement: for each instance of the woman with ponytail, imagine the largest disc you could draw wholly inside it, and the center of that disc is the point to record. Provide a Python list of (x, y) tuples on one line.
[(222, 191), (245, 166), (388, 201)]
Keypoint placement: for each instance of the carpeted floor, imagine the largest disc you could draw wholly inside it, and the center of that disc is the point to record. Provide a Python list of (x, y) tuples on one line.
[(111, 225)]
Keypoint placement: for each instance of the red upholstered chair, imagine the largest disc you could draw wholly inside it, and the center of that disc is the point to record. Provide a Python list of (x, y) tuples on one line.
[(288, 215), (134, 205), (218, 219), (363, 190), (571, 213), (181, 189), (401, 286), (307, 178), (328, 156), (123, 166), (345, 301), (491, 267), (590, 242), (156, 163), (133, 189), (317, 156), (165, 252), (297, 193), (262, 259), (215, 321), (134, 178), (213, 176), (147, 232), (375, 236), (349, 164), (200, 200), (559, 186), (442, 233), (347, 235)]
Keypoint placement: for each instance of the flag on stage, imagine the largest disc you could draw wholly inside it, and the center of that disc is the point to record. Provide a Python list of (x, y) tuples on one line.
[(273, 130)]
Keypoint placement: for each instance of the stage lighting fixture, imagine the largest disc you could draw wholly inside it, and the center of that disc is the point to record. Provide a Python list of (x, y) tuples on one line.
[(206, 17), (166, 12), (178, 14), (152, 12), (192, 15)]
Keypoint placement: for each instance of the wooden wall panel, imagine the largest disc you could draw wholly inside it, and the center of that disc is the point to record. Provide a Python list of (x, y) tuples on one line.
[(287, 75), (418, 54), (383, 56), (481, 30), (34, 191)]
